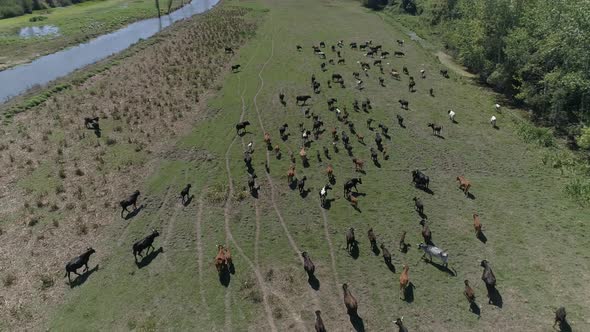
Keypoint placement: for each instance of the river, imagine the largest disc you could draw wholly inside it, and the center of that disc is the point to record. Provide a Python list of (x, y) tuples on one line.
[(45, 69)]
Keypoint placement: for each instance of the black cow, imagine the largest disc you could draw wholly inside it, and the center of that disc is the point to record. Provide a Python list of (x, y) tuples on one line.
[(78, 262), (184, 194), (303, 99), (235, 68), (241, 127), (145, 243), (91, 123), (229, 50), (131, 200), (420, 179), (348, 185), (404, 103)]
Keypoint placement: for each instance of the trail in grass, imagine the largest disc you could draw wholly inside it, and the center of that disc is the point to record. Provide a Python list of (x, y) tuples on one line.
[(198, 232)]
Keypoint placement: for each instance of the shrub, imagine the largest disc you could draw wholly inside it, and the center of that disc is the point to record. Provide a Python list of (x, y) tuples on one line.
[(37, 18), (532, 134), (46, 281), (9, 279), (33, 221), (584, 139), (111, 141)]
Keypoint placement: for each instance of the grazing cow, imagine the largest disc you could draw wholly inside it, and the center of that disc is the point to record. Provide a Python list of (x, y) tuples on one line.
[(404, 281), (363, 47), (302, 99), (423, 74), (560, 316), (267, 140), (354, 201), (419, 205), (381, 81), (324, 194), (131, 200), (308, 264), (400, 42), (251, 182), (451, 116), (350, 240), (78, 262), (144, 244), (184, 194), (326, 152), (386, 255), (444, 73), (469, 293), (360, 138), (400, 324), (358, 164), (420, 179), (411, 85), (384, 54), (301, 184), (299, 48), (353, 45), (405, 70), (336, 78), (400, 120), (403, 246), (497, 107), (436, 129), (338, 54), (488, 278), (331, 61), (384, 129), (241, 127), (235, 68), (341, 61), (91, 123), (464, 184), (476, 224), (248, 159), (322, 55), (349, 301), (229, 50), (348, 185), (493, 121), (399, 53), (426, 234), (404, 103), (378, 141), (282, 98), (394, 74), (431, 91), (377, 62), (372, 239), (323, 66), (431, 250), (319, 323), (220, 260), (291, 174), (322, 44)]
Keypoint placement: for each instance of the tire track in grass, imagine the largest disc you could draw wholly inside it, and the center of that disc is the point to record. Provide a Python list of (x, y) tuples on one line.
[(199, 245)]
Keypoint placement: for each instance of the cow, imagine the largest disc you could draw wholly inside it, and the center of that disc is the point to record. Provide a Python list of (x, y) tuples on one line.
[(235, 68), (291, 174), (350, 240), (131, 200), (464, 184), (403, 246), (336, 78), (431, 250), (358, 164), (386, 255), (400, 120), (92, 123), (78, 262), (144, 244), (469, 293), (348, 185), (324, 194), (404, 103), (444, 73), (302, 99), (419, 205), (400, 42), (349, 301), (299, 48), (319, 323), (476, 225), (420, 179), (399, 53), (241, 127), (301, 184), (229, 50), (560, 317), (404, 281), (400, 324), (184, 194), (436, 129), (372, 239), (308, 265), (488, 278), (426, 234)]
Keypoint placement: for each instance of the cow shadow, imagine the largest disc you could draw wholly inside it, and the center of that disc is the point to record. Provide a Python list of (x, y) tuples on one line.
[(225, 278), (328, 203), (470, 196), (254, 192), (390, 266), (313, 282), (293, 184), (98, 133), (81, 279), (426, 190), (354, 251), (440, 136), (188, 201), (304, 193), (494, 297), (377, 163), (387, 136), (474, 308), (565, 326), (285, 137), (422, 215), (305, 163), (357, 209), (147, 259), (496, 127), (482, 237), (455, 122), (133, 213), (332, 180), (376, 250), (409, 293), (357, 323), (442, 268)]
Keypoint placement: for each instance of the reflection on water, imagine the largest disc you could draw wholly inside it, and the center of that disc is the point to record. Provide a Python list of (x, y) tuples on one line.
[(45, 30), (45, 69)]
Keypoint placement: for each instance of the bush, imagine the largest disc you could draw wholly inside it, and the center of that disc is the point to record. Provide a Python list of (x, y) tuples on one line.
[(9, 279), (532, 134), (46, 281), (37, 18), (584, 139)]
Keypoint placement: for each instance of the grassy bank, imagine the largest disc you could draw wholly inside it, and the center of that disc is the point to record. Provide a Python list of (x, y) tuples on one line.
[(158, 135), (76, 23)]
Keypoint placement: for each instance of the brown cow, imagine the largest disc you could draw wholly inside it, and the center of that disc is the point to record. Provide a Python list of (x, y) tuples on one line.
[(291, 173), (469, 293), (227, 254), (426, 234), (358, 164), (403, 246), (476, 224), (372, 239), (220, 260), (464, 184), (404, 281), (360, 138), (267, 138), (319, 323), (386, 255), (350, 240), (303, 155), (330, 172), (354, 201), (349, 301)]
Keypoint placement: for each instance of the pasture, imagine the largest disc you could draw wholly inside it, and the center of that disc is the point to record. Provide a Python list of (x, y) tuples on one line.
[(534, 235)]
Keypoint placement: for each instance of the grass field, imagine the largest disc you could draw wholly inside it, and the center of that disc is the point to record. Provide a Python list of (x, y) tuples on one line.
[(535, 234), (76, 23)]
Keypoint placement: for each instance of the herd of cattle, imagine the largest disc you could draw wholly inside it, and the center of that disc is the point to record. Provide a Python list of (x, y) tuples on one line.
[(223, 260)]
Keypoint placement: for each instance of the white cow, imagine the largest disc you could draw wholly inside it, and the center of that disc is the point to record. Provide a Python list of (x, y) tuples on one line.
[(434, 251), (493, 121), (451, 115)]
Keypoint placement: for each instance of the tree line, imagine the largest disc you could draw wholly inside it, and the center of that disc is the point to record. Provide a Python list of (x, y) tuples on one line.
[(535, 51), (12, 8)]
